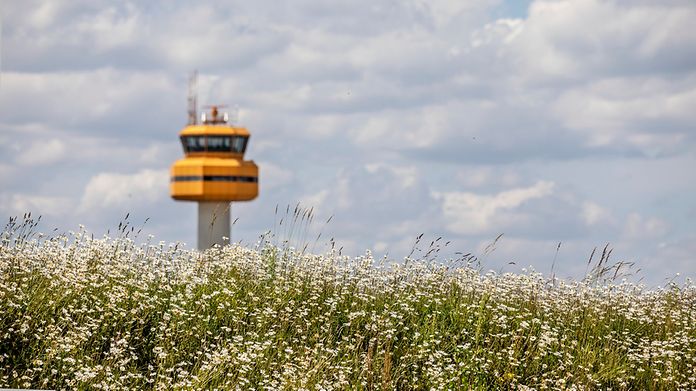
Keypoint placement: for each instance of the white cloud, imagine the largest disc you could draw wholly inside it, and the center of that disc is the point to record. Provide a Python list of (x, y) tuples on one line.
[(316, 200), (323, 126), (639, 227), (672, 256), (44, 15), (111, 190), (469, 213), (375, 203), (111, 27), (153, 154), (42, 152), (624, 38), (274, 176), (6, 171), (631, 111), (423, 127), (496, 32), (444, 12), (18, 204), (594, 214), (408, 176), (487, 176), (80, 99)]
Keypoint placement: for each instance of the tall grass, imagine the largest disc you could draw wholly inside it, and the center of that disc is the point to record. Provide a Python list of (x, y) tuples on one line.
[(85, 313)]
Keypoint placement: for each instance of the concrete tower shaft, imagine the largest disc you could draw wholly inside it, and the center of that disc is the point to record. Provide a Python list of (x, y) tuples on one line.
[(213, 224)]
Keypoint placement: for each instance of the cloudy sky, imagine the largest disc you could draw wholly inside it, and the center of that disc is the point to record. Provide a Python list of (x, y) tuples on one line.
[(549, 122)]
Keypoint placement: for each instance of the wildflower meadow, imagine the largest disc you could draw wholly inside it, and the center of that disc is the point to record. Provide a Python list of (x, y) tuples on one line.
[(84, 313)]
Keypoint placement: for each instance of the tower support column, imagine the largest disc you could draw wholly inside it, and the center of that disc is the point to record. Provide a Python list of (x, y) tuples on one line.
[(213, 224)]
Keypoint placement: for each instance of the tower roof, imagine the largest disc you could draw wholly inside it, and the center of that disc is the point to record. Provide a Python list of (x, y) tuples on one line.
[(202, 129)]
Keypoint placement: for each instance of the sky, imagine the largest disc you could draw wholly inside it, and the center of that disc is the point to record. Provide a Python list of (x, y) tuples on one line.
[(548, 122)]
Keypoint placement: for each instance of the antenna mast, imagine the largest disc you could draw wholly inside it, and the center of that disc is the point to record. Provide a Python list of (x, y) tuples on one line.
[(193, 98)]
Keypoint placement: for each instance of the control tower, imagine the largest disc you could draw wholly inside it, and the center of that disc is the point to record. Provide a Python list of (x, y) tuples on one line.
[(213, 173)]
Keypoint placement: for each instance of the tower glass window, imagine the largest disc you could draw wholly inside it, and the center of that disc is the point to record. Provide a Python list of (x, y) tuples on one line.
[(219, 143), (193, 143), (239, 144), (214, 143)]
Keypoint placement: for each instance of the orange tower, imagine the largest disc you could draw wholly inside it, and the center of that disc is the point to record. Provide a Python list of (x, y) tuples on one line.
[(213, 173)]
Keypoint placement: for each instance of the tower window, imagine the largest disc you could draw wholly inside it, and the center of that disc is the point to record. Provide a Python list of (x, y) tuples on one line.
[(214, 143), (193, 143), (239, 144), (219, 144)]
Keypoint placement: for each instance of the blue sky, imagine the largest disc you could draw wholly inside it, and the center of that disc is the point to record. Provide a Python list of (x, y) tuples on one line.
[(512, 9), (546, 121)]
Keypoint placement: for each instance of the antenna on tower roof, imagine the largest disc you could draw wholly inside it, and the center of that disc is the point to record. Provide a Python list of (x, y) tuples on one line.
[(193, 98), (235, 115)]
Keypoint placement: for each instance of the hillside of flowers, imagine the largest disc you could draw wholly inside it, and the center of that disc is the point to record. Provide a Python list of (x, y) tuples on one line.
[(85, 313)]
